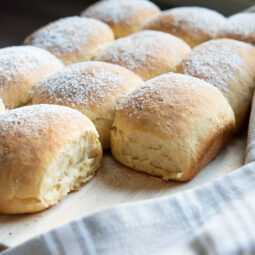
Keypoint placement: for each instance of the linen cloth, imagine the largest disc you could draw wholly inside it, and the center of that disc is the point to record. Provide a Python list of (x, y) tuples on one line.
[(216, 218)]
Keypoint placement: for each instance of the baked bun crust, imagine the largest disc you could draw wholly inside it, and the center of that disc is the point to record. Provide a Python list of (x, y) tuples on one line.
[(94, 88), (21, 68), (72, 39), (240, 27), (146, 53), (2, 107), (124, 17), (171, 126), (46, 151), (194, 25), (228, 65)]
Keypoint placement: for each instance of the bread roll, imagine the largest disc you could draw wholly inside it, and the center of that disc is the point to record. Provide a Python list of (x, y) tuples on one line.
[(124, 17), (193, 24), (146, 53), (21, 67), (93, 88), (240, 27), (72, 39), (2, 107), (171, 126), (229, 65), (46, 151)]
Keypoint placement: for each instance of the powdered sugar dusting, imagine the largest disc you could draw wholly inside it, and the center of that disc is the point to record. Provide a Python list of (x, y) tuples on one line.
[(67, 35), (116, 11), (242, 25), (18, 61), (137, 99), (32, 119), (215, 61), (83, 83), (195, 19), (151, 91), (140, 50)]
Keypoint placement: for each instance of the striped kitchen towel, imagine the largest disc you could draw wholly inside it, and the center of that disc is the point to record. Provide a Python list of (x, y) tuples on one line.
[(217, 218)]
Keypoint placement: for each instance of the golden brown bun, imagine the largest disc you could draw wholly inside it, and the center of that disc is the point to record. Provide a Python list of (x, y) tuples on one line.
[(46, 151), (171, 126), (146, 53), (21, 67), (229, 65), (2, 107), (193, 24), (240, 27), (124, 17), (94, 88), (72, 39)]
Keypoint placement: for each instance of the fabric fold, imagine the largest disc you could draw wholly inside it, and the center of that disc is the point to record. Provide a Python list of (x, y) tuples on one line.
[(250, 151)]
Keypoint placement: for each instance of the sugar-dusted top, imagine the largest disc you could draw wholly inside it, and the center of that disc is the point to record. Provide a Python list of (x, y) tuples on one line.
[(171, 85), (18, 61), (118, 11), (68, 35), (33, 119), (143, 50), (87, 83), (193, 24), (240, 25), (216, 61), (196, 18)]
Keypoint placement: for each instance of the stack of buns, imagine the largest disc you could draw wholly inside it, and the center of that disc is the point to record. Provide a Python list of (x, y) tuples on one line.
[(163, 108), (93, 88)]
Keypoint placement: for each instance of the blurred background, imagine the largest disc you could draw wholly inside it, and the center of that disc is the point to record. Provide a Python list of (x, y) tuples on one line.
[(18, 18)]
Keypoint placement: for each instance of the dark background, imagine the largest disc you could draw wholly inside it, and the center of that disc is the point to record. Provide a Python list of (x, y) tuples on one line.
[(19, 18)]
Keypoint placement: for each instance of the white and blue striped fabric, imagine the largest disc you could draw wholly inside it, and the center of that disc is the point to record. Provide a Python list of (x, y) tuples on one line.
[(217, 218)]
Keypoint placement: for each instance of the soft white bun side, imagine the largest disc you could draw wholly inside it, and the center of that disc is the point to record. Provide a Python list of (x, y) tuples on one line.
[(2, 107), (171, 126), (46, 151)]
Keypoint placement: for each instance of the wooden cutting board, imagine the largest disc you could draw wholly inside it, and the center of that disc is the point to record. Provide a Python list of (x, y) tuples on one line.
[(114, 184)]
